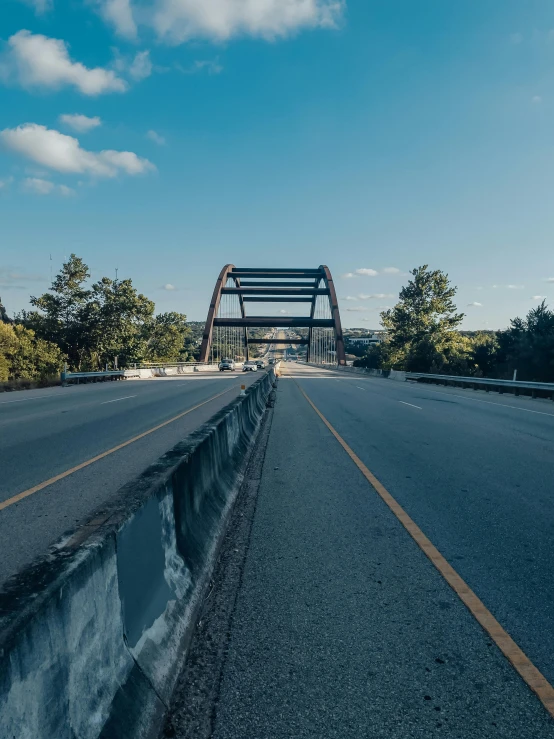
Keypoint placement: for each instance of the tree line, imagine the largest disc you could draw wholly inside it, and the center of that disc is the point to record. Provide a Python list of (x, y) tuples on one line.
[(423, 336), (88, 327)]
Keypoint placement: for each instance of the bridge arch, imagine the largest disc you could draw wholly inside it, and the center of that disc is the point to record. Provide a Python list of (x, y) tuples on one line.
[(238, 287)]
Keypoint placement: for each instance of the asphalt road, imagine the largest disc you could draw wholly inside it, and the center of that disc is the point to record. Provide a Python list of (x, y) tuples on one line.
[(342, 627), (44, 433)]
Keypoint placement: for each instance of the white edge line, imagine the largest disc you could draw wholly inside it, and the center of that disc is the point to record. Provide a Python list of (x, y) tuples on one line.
[(116, 399), (502, 405), (411, 404), (23, 400)]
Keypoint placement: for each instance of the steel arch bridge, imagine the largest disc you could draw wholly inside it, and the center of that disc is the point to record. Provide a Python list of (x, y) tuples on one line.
[(237, 288)]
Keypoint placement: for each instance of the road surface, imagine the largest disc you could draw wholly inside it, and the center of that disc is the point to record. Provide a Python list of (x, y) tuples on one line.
[(45, 433), (342, 627)]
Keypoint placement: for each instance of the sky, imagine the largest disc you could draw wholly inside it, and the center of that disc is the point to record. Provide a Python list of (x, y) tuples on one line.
[(166, 138)]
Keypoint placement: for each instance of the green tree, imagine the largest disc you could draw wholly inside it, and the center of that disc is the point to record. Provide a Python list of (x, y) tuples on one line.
[(59, 315), (24, 356), (8, 343), (99, 324), (485, 354), (165, 337), (528, 346), (116, 317), (4, 318), (421, 328)]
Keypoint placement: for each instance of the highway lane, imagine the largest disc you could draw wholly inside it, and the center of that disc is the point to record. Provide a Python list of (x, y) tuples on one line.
[(476, 473), (46, 433), (340, 625)]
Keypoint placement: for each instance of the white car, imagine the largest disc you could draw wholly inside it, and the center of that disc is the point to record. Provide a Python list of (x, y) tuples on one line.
[(250, 366)]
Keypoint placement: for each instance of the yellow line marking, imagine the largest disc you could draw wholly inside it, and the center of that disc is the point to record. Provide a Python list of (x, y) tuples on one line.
[(521, 663), (56, 478)]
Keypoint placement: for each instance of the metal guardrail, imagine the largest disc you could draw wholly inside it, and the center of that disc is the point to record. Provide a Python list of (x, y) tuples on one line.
[(68, 377), (500, 385)]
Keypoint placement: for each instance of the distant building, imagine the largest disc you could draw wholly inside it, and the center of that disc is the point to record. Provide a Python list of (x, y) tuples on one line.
[(365, 340)]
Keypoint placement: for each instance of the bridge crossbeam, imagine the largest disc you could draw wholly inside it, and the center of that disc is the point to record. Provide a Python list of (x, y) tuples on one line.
[(275, 322)]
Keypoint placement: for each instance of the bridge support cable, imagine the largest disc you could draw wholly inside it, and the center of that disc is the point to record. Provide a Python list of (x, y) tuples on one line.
[(227, 324)]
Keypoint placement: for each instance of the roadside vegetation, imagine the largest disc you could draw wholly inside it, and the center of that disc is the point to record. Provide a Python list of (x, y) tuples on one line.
[(87, 326), (423, 335)]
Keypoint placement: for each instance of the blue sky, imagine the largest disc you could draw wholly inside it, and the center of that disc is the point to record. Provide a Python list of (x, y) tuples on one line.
[(366, 135)]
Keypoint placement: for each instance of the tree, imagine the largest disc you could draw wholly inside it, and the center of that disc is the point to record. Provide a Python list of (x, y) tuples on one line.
[(421, 327), (116, 318), (528, 346), (4, 318), (165, 337), (59, 315), (94, 325), (7, 345), (484, 354), (24, 356)]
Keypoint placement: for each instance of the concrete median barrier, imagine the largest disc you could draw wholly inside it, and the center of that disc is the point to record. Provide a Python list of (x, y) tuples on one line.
[(93, 635)]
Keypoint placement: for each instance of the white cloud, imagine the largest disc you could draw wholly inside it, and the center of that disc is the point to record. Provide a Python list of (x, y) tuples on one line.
[(391, 271), (536, 99), (63, 153), (39, 186), (156, 138), (67, 192), (80, 123), (39, 61), (538, 297), (169, 287), (347, 275), (356, 309), (283, 311), (475, 304), (373, 296), (218, 20), (367, 272), (549, 279), (515, 287), (211, 66), (40, 6), (13, 278), (119, 14), (141, 66), (350, 297)]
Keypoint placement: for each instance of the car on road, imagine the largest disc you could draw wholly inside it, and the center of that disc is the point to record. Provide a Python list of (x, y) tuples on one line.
[(226, 364), (260, 364), (250, 366)]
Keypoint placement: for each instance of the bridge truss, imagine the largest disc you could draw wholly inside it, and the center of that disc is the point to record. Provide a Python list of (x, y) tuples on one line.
[(226, 330)]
